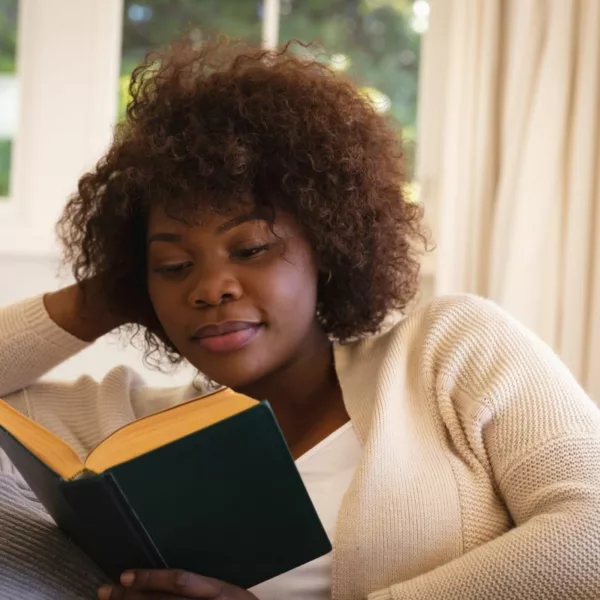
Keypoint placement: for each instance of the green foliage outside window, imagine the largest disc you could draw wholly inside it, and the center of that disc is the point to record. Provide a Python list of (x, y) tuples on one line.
[(8, 45), (5, 152), (8, 35)]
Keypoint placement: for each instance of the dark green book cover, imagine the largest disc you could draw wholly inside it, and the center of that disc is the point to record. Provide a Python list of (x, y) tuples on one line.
[(226, 501)]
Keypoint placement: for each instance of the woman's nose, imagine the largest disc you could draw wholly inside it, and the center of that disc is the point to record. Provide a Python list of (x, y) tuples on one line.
[(214, 287)]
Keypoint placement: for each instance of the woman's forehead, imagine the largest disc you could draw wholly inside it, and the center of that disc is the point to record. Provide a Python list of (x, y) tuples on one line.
[(218, 223), (200, 216)]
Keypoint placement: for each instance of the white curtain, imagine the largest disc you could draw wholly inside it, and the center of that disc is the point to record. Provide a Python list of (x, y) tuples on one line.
[(510, 163)]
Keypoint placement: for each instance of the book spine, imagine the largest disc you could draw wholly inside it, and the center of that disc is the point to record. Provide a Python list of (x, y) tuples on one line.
[(145, 540), (106, 528)]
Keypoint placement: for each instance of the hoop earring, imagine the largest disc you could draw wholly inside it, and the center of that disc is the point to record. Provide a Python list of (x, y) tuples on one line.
[(328, 277)]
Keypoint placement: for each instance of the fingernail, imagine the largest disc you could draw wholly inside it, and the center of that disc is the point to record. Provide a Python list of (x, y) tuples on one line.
[(127, 578), (104, 592)]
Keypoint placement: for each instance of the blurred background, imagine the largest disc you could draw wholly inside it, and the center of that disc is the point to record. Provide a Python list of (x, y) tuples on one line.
[(497, 102)]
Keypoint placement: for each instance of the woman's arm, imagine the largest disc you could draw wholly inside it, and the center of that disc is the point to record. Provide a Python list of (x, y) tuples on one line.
[(539, 433), (39, 333), (552, 554)]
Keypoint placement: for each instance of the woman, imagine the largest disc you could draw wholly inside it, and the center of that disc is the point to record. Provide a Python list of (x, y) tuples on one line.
[(250, 219)]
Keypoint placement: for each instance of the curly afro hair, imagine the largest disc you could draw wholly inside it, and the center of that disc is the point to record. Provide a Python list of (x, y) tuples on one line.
[(210, 124)]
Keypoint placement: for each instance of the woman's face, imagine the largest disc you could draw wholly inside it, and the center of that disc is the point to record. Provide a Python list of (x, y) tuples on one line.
[(236, 299)]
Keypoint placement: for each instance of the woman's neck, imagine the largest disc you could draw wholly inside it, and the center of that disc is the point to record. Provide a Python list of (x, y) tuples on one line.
[(305, 394), (308, 375)]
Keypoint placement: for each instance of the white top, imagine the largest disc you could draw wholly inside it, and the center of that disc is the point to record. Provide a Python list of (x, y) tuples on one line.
[(479, 477), (327, 470)]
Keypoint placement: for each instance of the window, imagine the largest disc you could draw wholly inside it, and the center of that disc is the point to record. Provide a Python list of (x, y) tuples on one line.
[(68, 66), (8, 90)]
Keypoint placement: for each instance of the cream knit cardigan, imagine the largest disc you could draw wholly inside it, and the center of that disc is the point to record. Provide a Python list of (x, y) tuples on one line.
[(480, 477)]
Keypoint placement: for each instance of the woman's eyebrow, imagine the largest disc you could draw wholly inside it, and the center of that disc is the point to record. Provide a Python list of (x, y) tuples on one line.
[(164, 237), (239, 220), (230, 224)]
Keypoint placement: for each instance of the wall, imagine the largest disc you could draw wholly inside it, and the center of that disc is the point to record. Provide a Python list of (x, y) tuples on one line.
[(21, 277)]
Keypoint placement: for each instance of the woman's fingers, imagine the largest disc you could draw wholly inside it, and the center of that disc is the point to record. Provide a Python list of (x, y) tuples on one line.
[(118, 592), (173, 581), (171, 584)]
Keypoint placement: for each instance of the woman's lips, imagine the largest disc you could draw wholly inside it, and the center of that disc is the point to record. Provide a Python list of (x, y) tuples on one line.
[(229, 341)]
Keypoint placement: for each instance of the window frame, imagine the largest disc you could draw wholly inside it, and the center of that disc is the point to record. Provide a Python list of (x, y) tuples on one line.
[(68, 54)]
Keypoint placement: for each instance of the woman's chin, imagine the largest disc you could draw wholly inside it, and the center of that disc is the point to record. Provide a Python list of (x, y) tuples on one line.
[(243, 369), (239, 377)]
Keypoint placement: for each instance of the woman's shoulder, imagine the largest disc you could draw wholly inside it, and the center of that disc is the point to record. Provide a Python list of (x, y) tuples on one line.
[(455, 310), (471, 352), (473, 346), (447, 318), (463, 336), (464, 319)]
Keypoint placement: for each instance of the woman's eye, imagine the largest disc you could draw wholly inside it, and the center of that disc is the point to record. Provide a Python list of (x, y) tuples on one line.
[(245, 253), (173, 269)]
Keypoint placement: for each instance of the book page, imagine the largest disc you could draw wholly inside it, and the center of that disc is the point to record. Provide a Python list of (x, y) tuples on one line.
[(164, 427), (50, 449)]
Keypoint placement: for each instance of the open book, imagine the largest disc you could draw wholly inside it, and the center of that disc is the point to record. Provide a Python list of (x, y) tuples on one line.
[(133, 440), (208, 486)]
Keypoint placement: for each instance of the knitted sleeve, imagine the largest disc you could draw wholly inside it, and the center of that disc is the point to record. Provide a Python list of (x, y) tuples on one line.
[(539, 435), (31, 344)]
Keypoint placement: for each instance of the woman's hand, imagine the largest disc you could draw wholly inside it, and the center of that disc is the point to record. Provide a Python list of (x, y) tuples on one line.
[(84, 316), (171, 584)]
